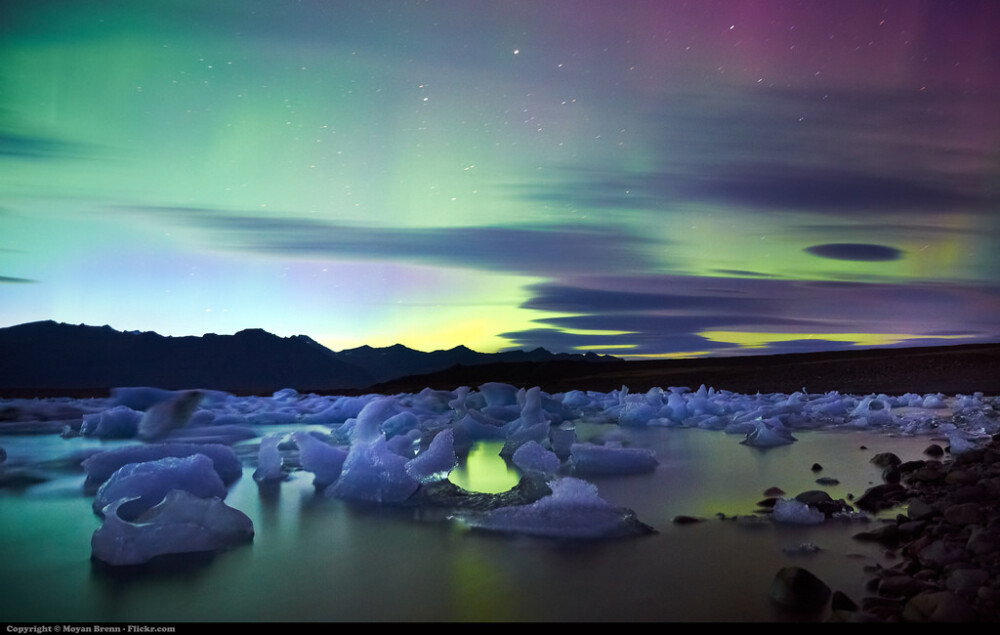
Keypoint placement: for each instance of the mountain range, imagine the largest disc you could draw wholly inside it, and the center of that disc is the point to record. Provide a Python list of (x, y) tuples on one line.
[(51, 356)]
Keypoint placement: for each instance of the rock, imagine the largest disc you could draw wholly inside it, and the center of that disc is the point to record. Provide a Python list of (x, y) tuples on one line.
[(881, 497), (816, 467), (934, 450), (841, 602), (919, 510), (966, 581), (774, 491), (798, 589), (938, 606), (827, 480), (686, 520), (964, 514), (940, 553), (885, 459)]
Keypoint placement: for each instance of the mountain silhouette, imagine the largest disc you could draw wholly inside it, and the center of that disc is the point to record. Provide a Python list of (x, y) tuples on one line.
[(52, 356)]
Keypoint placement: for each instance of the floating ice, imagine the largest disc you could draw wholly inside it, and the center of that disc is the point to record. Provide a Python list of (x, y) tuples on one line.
[(167, 415), (769, 433), (373, 473), (437, 461), (592, 459), (269, 460), (180, 523), (325, 461), (532, 457), (573, 511), (145, 484), (120, 422), (791, 511), (100, 467)]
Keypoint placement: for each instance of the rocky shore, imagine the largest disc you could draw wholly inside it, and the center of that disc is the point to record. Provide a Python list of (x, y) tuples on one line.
[(947, 544)]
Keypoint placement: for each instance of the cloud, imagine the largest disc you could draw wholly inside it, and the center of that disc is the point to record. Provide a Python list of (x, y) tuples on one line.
[(546, 250), (25, 147), (10, 280), (666, 314), (855, 251), (776, 149)]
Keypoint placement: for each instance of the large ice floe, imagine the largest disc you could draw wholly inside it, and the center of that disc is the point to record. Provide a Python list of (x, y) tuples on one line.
[(172, 455)]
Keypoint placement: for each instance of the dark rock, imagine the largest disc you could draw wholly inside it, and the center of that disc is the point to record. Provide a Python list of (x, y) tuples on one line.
[(827, 480), (686, 520), (887, 535), (910, 466), (841, 602), (919, 510), (818, 499), (774, 491), (934, 450), (881, 497), (964, 514), (966, 581), (817, 467), (891, 474), (903, 586), (938, 606), (940, 553), (798, 589), (885, 459)]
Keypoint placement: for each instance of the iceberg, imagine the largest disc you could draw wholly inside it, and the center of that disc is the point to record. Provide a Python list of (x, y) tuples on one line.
[(100, 467), (119, 422), (325, 461), (592, 459), (533, 457), (372, 473), (180, 523), (168, 415), (437, 461), (574, 510), (145, 484), (269, 460)]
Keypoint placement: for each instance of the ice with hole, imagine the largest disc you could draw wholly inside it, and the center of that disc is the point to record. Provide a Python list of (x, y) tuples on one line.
[(145, 484), (180, 523)]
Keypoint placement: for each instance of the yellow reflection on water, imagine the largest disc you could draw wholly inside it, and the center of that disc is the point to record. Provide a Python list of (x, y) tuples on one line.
[(485, 470)]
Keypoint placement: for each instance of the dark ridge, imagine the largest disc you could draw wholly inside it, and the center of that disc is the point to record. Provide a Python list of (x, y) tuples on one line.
[(948, 369), (47, 357)]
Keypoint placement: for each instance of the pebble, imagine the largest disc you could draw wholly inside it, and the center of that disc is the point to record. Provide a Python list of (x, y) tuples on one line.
[(948, 542)]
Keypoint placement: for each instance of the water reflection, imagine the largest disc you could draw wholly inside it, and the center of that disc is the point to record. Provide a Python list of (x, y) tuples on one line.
[(484, 470)]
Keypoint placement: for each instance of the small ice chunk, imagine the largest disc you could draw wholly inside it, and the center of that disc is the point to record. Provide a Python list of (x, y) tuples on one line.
[(373, 473), (180, 523), (168, 415), (437, 461), (325, 461), (101, 466), (589, 458), (147, 483), (120, 422), (768, 433), (532, 457), (574, 510), (269, 460), (788, 510)]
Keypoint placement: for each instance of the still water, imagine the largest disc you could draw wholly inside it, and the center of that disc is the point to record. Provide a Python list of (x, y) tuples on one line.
[(314, 559)]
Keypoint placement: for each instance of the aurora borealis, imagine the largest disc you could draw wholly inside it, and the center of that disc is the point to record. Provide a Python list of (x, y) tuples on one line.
[(634, 178)]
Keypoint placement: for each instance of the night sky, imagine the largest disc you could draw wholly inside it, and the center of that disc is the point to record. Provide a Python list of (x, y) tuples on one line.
[(654, 178)]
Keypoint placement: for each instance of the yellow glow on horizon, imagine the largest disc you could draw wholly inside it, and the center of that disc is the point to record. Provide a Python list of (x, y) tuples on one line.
[(762, 340)]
